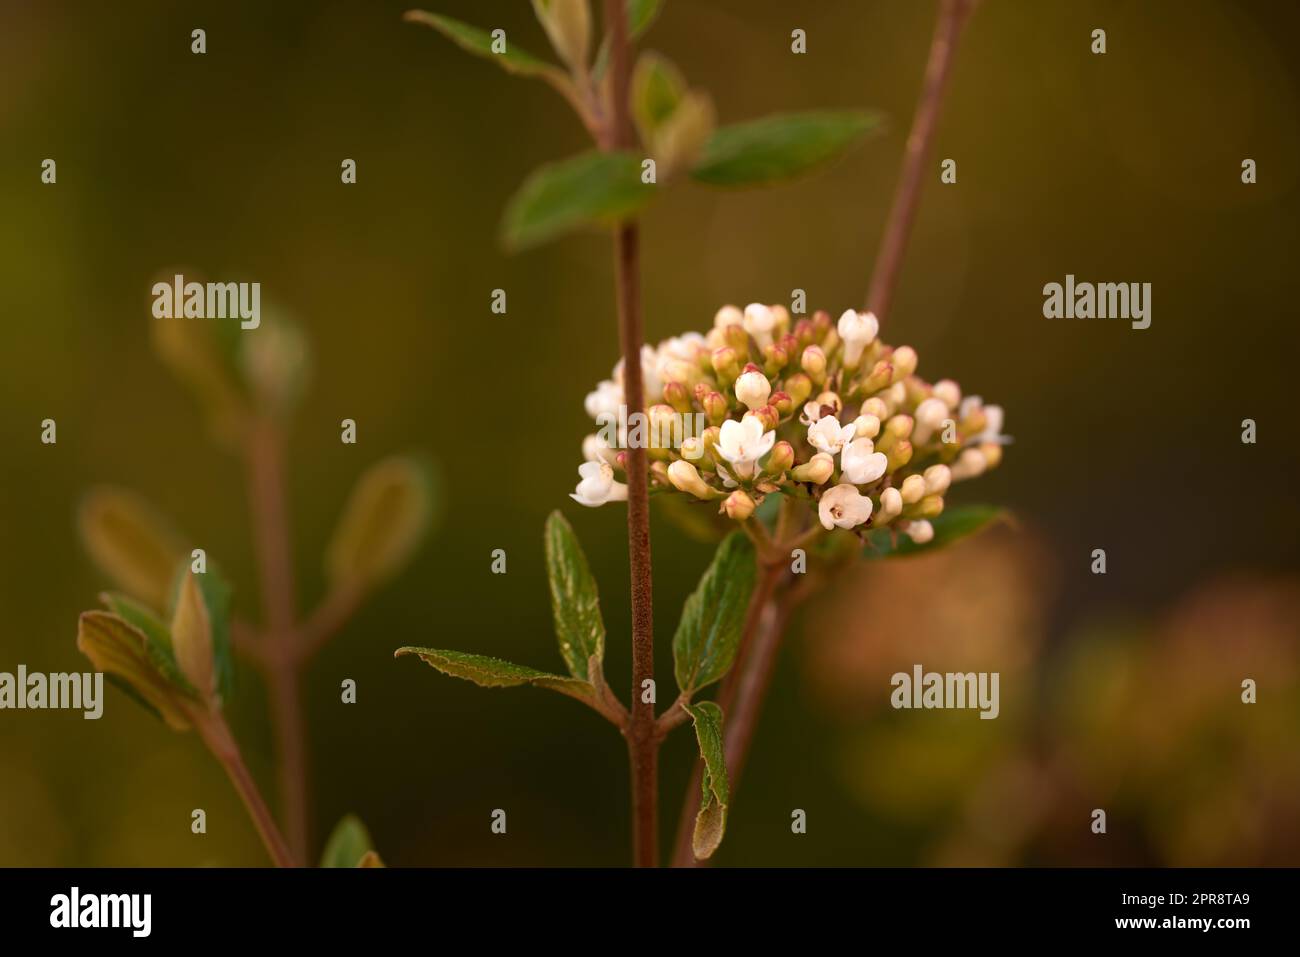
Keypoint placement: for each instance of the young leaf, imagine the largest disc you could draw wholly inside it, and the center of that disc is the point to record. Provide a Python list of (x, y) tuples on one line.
[(715, 795), (116, 647), (714, 616), (383, 522), (216, 598), (129, 542), (575, 603), (778, 147), (479, 42), (348, 845), (953, 524), (568, 24), (191, 629), (657, 89), (494, 673), (589, 189), (157, 639)]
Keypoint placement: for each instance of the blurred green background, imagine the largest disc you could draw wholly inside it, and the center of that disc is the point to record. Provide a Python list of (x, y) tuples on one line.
[(1118, 691)]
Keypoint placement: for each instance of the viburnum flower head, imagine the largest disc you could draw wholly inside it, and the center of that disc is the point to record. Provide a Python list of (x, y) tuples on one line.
[(818, 410)]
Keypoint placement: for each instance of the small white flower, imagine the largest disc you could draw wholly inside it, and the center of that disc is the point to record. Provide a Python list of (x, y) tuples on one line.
[(920, 531), (843, 507), (861, 464), (677, 359), (598, 486), (605, 400), (913, 489), (759, 322), (743, 443), (857, 329), (753, 389), (827, 435)]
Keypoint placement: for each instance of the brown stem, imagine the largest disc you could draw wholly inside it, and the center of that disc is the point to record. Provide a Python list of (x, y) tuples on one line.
[(642, 741), (329, 616), (266, 483), (216, 735), (952, 17)]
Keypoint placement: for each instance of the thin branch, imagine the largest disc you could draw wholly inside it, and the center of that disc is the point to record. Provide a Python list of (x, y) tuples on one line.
[(642, 743), (325, 621), (216, 735), (943, 48), (266, 487)]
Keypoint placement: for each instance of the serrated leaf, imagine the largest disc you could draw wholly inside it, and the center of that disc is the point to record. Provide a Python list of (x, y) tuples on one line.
[(713, 617), (586, 190), (129, 542), (494, 673), (715, 790), (575, 602), (479, 42), (779, 147), (349, 843), (117, 647), (951, 525), (386, 516), (216, 593)]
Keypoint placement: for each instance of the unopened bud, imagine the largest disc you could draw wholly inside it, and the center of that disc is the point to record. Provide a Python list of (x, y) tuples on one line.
[(891, 505), (880, 376), (948, 391), (920, 532), (728, 316), (716, 407), (816, 470), (191, 630), (799, 387), (813, 362), (782, 402), (738, 506), (899, 455), (992, 453), (937, 479), (686, 478), (804, 332), (866, 426), (774, 359), (913, 489), (904, 362), (768, 416), (675, 394), (876, 407), (780, 459), (969, 464), (737, 338), (929, 507), (752, 388), (726, 364), (929, 417)]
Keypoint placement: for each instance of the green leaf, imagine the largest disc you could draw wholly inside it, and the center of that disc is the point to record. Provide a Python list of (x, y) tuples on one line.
[(711, 822), (779, 147), (494, 673), (157, 637), (713, 617), (130, 542), (385, 519), (479, 42), (216, 597), (575, 603), (657, 89), (116, 647), (590, 189), (950, 526), (348, 844)]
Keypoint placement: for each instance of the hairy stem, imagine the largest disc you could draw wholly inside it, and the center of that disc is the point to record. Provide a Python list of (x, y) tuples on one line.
[(216, 735), (266, 484), (898, 228)]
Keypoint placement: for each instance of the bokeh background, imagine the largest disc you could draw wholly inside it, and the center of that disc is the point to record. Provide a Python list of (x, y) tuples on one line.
[(1118, 691)]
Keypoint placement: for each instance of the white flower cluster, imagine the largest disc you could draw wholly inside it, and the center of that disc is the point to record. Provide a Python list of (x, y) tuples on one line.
[(819, 410)]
